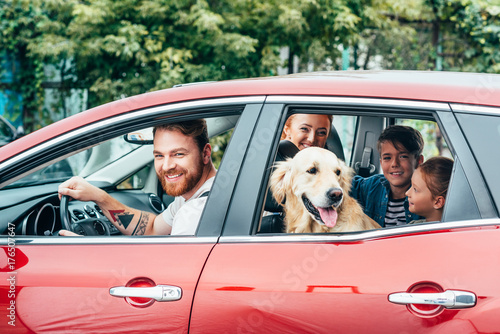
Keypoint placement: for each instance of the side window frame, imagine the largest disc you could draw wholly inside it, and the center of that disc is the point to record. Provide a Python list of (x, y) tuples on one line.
[(457, 175)]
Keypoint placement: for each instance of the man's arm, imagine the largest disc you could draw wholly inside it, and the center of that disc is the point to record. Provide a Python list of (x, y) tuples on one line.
[(129, 221), (160, 227)]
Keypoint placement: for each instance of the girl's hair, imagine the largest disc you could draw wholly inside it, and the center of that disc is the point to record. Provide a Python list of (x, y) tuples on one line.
[(289, 123), (436, 173)]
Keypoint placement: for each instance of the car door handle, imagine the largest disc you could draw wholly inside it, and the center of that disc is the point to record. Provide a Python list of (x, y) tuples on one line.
[(160, 293), (451, 299)]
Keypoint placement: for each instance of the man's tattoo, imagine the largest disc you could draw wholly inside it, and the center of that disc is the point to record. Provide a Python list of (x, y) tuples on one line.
[(140, 229), (115, 213), (121, 217)]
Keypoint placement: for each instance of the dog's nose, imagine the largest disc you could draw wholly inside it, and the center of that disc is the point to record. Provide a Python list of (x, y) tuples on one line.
[(334, 194)]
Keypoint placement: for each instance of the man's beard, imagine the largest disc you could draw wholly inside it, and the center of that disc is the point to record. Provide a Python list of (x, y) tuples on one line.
[(181, 187)]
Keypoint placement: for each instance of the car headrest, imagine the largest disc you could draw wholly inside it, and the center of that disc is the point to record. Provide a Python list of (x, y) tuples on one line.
[(334, 144), (286, 149)]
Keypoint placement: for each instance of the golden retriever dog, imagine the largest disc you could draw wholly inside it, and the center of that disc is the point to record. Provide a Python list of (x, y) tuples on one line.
[(314, 187)]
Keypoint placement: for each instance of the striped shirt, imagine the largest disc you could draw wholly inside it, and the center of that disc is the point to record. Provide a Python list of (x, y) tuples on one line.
[(395, 214)]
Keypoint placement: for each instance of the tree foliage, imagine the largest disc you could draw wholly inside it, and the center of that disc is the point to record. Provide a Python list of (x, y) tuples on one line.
[(113, 49), (453, 35)]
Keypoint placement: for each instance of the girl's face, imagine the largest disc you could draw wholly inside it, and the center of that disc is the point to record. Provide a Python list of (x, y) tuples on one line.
[(421, 200), (308, 130)]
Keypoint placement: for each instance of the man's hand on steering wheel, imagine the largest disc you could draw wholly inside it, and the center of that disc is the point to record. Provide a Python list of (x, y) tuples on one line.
[(79, 189)]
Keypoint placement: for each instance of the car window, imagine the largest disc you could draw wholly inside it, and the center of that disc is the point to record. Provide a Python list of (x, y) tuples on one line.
[(483, 135), (352, 135), (83, 164), (124, 168), (142, 189), (435, 144), (346, 127), (137, 180)]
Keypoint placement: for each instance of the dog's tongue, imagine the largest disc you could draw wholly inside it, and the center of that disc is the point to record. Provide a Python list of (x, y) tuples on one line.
[(329, 216)]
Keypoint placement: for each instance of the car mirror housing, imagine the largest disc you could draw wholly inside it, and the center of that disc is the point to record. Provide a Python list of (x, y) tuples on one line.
[(140, 137)]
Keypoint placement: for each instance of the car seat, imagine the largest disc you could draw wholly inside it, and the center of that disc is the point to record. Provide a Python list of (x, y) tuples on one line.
[(273, 222)]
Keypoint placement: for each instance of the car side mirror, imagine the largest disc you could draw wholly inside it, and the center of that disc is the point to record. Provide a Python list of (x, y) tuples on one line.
[(140, 137)]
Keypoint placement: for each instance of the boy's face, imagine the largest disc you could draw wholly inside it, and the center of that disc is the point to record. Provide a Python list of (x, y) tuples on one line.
[(397, 165)]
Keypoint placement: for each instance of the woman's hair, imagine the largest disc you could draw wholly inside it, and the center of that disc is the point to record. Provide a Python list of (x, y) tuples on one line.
[(436, 173), (288, 123)]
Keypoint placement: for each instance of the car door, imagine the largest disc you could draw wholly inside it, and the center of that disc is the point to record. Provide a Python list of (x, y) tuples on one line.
[(359, 282), (64, 286), (121, 283)]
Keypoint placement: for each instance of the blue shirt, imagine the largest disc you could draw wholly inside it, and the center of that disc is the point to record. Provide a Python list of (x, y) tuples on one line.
[(372, 194)]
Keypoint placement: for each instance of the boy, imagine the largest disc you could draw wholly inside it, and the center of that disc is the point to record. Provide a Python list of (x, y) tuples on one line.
[(383, 196)]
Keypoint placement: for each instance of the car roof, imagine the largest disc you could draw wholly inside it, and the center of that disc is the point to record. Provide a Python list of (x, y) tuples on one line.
[(453, 87)]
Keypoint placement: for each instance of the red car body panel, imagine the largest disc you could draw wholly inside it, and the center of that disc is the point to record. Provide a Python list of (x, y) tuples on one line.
[(77, 298), (423, 86), (324, 287)]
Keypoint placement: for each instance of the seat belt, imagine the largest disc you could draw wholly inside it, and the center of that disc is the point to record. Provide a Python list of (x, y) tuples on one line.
[(365, 168)]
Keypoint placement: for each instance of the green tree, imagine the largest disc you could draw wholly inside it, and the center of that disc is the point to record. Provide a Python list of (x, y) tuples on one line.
[(437, 35), (113, 49), (17, 28)]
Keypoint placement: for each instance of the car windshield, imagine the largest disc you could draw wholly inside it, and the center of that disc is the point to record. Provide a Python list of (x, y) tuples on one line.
[(82, 164)]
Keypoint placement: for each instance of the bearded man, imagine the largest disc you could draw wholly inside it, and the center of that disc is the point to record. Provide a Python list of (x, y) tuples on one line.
[(183, 163)]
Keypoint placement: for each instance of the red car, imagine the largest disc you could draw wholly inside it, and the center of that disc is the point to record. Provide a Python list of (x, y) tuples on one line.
[(239, 274)]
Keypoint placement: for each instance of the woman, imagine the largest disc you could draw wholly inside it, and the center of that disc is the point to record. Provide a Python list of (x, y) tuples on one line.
[(306, 130)]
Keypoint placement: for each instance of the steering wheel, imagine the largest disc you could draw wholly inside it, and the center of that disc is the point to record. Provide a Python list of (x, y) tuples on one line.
[(88, 226)]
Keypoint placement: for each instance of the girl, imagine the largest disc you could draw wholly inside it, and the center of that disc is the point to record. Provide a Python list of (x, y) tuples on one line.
[(429, 185)]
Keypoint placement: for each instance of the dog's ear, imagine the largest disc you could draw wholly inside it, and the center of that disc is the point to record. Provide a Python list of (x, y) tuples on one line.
[(280, 180)]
